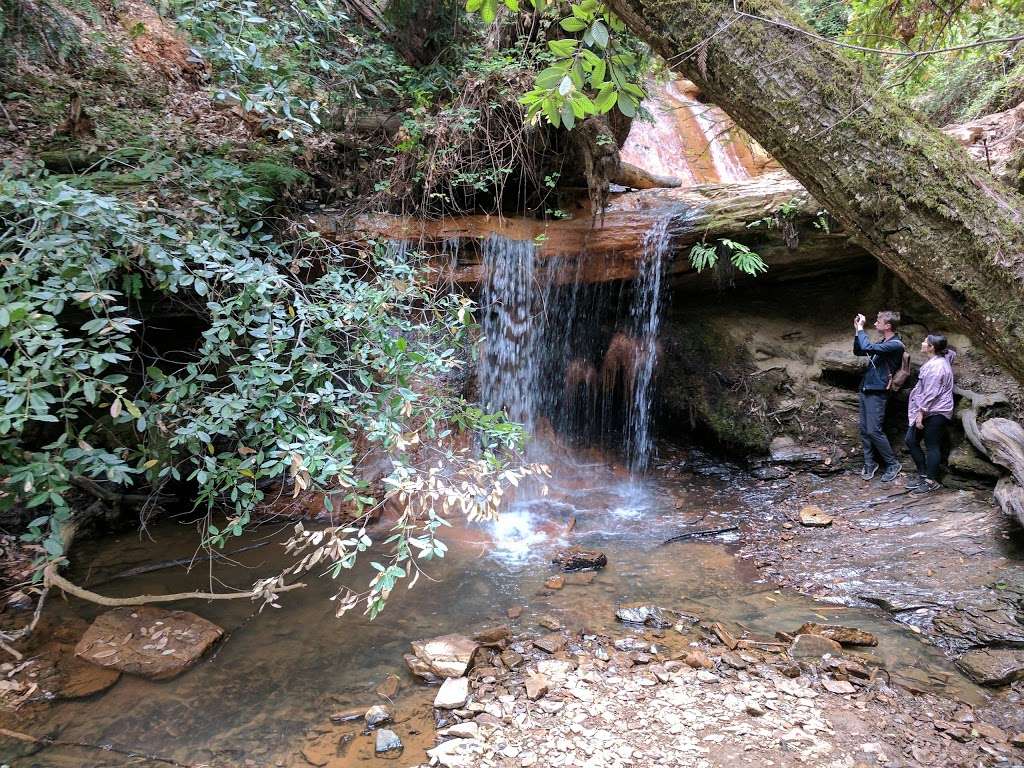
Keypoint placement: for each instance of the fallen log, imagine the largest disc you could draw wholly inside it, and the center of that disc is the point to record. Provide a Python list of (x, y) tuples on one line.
[(1004, 444), (1010, 498)]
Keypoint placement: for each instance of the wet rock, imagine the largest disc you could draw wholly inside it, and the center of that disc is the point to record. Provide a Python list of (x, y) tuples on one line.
[(552, 643), (810, 646), (813, 516), (453, 693), (387, 741), (993, 666), (991, 623), (770, 473), (555, 582), (514, 612), (420, 668), (493, 635), (576, 559), (445, 656), (146, 641), (347, 716), (580, 578), (536, 687), (549, 622), (388, 687), (647, 614), (842, 635), (376, 715), (784, 450)]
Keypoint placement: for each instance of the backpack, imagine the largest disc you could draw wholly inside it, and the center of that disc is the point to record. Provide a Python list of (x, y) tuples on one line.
[(902, 374)]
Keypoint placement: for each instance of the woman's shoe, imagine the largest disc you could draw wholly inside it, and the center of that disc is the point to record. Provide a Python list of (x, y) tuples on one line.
[(916, 482), (927, 486), (869, 471)]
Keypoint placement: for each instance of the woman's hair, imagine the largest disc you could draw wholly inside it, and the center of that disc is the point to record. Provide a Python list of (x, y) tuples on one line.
[(938, 343)]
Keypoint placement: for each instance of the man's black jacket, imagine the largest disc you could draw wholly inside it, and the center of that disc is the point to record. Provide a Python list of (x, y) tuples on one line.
[(884, 359)]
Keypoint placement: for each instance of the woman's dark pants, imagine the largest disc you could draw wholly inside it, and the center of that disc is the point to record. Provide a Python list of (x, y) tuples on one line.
[(928, 461)]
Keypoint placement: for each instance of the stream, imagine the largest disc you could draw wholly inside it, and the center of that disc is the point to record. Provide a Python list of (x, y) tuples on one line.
[(279, 675)]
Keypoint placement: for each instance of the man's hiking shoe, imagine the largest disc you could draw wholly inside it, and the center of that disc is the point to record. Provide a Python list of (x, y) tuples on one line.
[(927, 486), (868, 472), (916, 482), (891, 473)]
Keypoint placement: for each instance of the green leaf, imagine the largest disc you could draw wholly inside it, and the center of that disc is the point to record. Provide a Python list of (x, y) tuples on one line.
[(626, 104), (572, 24), (563, 48), (568, 117), (600, 34), (605, 100)]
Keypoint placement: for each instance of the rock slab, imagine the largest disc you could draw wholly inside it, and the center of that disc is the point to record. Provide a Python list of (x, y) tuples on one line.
[(147, 641), (445, 656), (576, 559), (387, 741), (993, 666), (453, 693), (842, 635), (809, 646)]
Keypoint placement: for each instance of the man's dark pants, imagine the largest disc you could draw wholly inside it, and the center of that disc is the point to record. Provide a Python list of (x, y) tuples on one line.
[(872, 438)]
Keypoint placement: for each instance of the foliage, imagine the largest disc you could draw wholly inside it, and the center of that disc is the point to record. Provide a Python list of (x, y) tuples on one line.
[(597, 70), (705, 255), (310, 356)]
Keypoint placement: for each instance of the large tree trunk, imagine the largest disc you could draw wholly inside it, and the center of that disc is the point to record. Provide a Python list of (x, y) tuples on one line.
[(907, 193)]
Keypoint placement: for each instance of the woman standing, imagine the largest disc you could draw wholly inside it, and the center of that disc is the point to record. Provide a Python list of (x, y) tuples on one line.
[(930, 411)]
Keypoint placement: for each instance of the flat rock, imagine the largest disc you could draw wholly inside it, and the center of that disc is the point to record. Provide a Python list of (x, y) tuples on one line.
[(579, 578), (147, 641), (809, 646), (627, 644), (697, 659), (453, 693), (993, 666), (555, 582), (387, 741), (420, 668), (841, 687), (445, 656), (576, 559), (552, 643), (467, 730), (493, 635), (842, 635), (784, 450), (813, 516)]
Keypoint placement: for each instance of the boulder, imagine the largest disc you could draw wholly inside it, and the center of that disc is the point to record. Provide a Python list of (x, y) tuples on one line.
[(840, 634), (576, 559), (445, 656), (387, 741), (809, 646), (146, 641), (993, 666), (836, 357), (965, 459), (453, 693)]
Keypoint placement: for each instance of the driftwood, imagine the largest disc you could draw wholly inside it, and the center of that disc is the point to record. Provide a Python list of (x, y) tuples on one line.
[(971, 408), (701, 534), (1004, 443), (1010, 498)]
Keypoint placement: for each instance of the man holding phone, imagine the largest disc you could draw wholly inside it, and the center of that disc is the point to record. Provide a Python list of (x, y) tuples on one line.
[(884, 359)]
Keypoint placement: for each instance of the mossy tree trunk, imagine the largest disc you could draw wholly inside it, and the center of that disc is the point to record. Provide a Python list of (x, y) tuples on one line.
[(910, 195)]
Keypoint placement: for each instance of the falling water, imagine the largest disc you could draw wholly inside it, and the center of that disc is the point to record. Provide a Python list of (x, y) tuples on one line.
[(509, 365), (581, 356), (645, 314)]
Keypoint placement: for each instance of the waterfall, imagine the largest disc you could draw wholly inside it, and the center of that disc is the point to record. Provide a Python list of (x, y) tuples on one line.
[(645, 314), (577, 356), (508, 361)]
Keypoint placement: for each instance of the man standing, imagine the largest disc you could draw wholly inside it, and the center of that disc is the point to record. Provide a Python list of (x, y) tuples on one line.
[(884, 359)]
